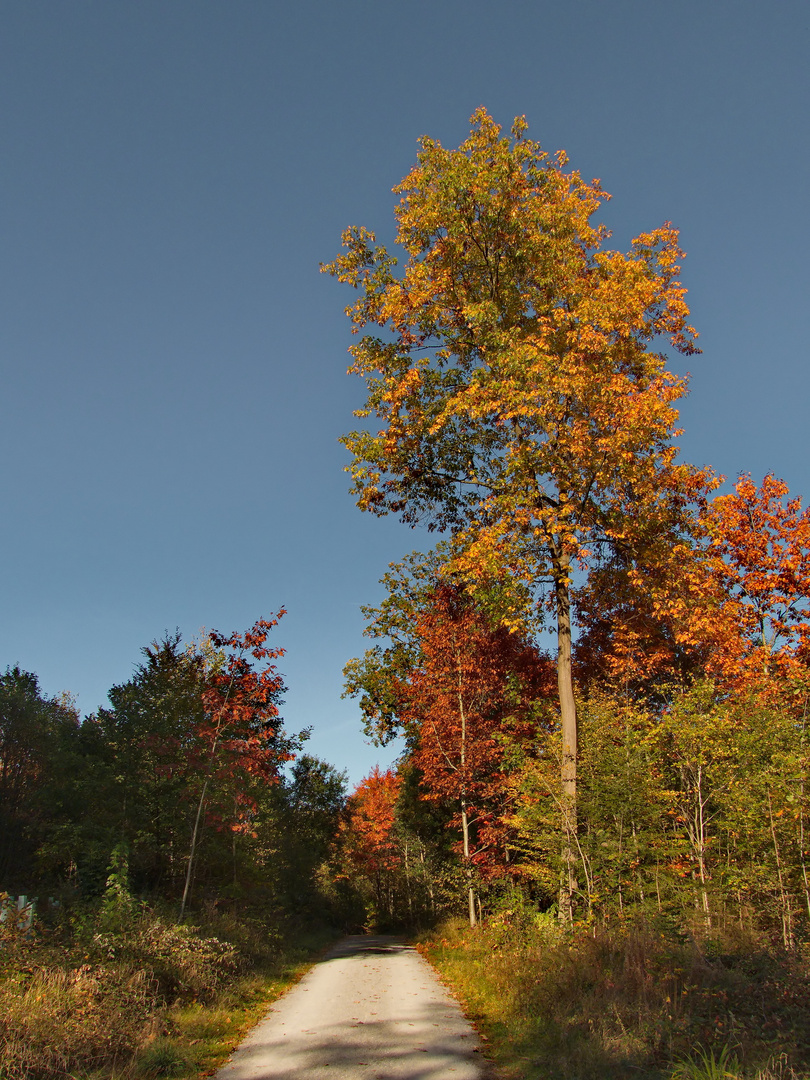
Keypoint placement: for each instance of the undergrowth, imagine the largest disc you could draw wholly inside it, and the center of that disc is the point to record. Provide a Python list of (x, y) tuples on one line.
[(635, 1001), (136, 995)]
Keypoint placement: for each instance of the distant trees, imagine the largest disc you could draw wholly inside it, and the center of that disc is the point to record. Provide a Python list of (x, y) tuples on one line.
[(33, 728), (179, 780)]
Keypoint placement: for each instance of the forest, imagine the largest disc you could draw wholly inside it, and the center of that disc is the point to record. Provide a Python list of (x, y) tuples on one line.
[(601, 672)]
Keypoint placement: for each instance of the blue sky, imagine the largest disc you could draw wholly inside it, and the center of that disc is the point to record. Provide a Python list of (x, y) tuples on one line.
[(173, 365)]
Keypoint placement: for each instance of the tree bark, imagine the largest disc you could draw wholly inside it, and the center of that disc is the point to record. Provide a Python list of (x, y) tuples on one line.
[(568, 724), (465, 823)]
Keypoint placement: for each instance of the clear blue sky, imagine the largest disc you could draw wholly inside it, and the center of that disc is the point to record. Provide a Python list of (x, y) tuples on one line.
[(173, 365)]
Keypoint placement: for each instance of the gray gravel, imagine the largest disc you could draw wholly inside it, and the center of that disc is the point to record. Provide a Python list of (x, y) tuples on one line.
[(371, 1009)]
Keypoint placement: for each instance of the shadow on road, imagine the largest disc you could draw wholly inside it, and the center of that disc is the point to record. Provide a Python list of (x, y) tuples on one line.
[(367, 943)]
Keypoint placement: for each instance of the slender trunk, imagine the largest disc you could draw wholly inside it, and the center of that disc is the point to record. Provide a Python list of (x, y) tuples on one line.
[(639, 878), (702, 849), (426, 873), (784, 897), (801, 818), (568, 723), (465, 824), (408, 875), (465, 838), (195, 832)]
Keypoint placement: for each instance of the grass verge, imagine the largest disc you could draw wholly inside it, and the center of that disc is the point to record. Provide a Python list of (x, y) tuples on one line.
[(633, 1002), (197, 1037), (138, 997)]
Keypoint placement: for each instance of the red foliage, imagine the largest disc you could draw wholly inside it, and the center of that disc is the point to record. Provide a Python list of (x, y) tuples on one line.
[(472, 696), (242, 727), (367, 830)]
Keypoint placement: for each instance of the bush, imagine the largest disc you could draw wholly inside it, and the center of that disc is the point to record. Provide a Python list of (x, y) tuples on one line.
[(179, 964), (94, 1003)]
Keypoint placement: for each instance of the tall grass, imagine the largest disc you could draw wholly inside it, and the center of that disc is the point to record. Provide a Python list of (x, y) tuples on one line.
[(132, 995), (54, 1022), (628, 1002)]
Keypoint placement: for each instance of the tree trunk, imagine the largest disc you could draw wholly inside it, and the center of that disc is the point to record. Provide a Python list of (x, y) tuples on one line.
[(465, 836), (195, 832), (465, 823), (568, 724)]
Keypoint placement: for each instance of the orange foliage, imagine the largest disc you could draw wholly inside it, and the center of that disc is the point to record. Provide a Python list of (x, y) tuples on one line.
[(759, 558), (731, 601), (367, 830)]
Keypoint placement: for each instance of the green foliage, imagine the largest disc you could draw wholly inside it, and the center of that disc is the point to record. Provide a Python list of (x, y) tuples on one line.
[(708, 1065), (163, 1058), (180, 964), (694, 813), (33, 732)]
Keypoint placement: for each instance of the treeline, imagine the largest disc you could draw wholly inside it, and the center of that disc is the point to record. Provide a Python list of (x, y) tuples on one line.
[(179, 784), (693, 789), (176, 842)]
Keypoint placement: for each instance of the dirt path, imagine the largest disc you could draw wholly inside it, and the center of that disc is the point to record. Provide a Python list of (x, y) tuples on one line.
[(371, 1009)]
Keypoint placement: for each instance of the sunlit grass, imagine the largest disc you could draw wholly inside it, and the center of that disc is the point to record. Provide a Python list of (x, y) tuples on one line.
[(69, 1012), (630, 1003), (199, 1037)]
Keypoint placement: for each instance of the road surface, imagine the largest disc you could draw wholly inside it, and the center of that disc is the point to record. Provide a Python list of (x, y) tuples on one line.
[(372, 1009)]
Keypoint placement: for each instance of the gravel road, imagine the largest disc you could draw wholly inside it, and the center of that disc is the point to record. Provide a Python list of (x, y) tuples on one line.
[(372, 1009)]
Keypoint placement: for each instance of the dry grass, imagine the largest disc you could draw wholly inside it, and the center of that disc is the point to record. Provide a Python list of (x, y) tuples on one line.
[(628, 1003), (54, 1022), (147, 1000)]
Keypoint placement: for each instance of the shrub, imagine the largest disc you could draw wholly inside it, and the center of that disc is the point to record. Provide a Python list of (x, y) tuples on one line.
[(179, 963)]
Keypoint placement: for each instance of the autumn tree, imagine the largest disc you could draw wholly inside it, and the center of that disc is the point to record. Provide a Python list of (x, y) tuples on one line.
[(727, 598), (469, 697), (518, 398), (377, 677), (240, 737), (758, 555), (368, 852)]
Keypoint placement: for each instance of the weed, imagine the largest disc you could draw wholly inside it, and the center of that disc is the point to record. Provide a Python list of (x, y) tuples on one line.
[(629, 1001), (163, 1058), (708, 1065)]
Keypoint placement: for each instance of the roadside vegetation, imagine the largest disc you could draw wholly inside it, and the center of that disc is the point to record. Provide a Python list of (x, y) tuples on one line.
[(626, 1001), (174, 842), (124, 992)]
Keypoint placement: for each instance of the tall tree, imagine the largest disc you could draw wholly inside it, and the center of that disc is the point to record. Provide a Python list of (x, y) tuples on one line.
[(368, 848), (519, 401), (470, 695), (147, 741), (241, 735)]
